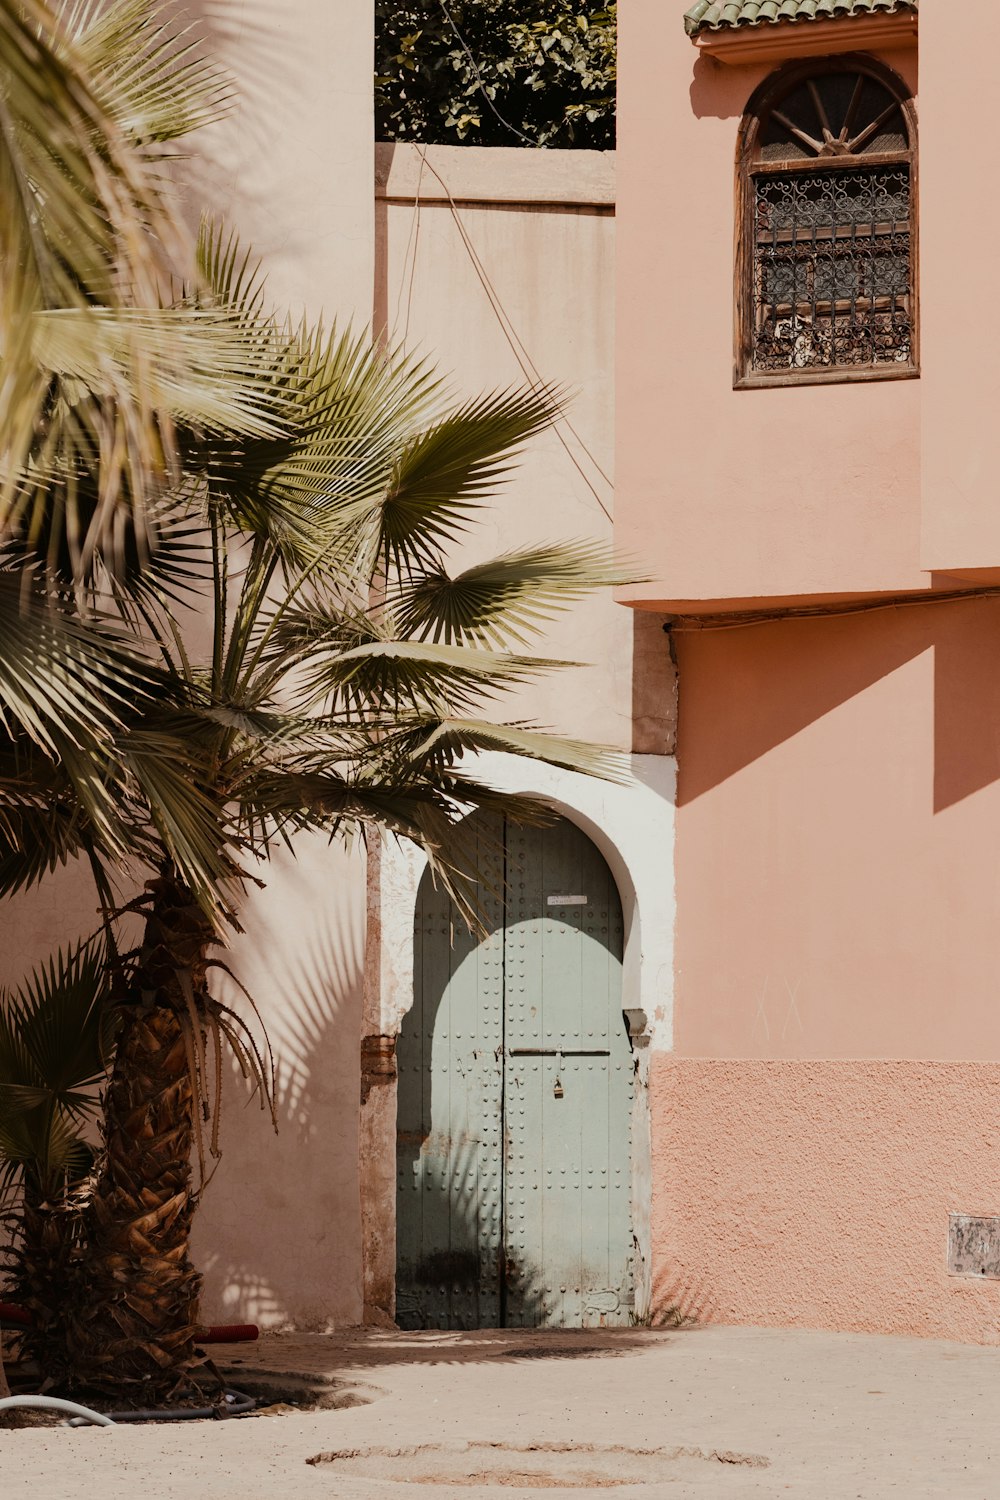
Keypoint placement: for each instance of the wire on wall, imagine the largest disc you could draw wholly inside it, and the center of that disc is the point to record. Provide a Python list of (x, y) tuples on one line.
[(520, 352)]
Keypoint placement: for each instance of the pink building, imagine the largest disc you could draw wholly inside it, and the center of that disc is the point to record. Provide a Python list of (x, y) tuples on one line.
[(805, 468)]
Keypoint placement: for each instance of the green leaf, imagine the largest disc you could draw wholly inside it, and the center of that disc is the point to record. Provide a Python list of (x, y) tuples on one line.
[(56, 1036), (444, 474), (503, 601)]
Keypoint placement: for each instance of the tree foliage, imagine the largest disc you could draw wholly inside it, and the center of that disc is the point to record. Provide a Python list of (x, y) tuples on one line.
[(497, 72)]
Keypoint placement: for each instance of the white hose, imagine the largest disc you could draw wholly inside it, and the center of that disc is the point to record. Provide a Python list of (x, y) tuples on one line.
[(55, 1403)]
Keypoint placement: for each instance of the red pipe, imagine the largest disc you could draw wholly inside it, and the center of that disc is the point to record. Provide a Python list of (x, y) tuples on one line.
[(229, 1333), (219, 1333)]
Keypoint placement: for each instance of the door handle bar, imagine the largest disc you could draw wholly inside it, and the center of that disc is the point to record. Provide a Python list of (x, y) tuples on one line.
[(559, 1052)]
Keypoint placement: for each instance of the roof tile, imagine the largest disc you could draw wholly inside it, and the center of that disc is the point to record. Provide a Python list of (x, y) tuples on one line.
[(716, 15)]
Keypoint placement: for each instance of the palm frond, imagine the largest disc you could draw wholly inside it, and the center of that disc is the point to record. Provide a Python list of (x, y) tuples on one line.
[(84, 224), (150, 77), (192, 824), (454, 740), (59, 1014), (63, 680), (504, 601), (40, 825), (281, 799), (445, 472), (56, 1035), (67, 687), (196, 365), (344, 408), (42, 1143), (379, 677), (97, 373), (78, 491)]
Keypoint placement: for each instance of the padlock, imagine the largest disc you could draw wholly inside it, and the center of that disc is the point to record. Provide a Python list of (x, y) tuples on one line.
[(558, 1090)]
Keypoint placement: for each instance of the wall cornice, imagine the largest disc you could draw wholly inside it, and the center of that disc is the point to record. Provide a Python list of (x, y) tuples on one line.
[(405, 173), (776, 42)]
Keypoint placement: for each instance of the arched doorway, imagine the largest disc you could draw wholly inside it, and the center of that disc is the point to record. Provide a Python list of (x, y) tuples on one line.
[(515, 1085)]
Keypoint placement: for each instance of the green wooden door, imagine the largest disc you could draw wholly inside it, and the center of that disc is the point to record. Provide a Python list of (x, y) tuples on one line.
[(515, 1096)]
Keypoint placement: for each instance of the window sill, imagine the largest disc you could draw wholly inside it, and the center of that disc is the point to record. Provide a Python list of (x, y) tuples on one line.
[(781, 378)]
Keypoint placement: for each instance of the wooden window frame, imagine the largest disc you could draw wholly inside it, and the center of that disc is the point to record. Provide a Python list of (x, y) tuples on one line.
[(748, 167)]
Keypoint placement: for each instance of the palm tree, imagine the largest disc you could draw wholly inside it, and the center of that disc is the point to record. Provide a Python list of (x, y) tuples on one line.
[(344, 692), (97, 368), (306, 514), (91, 371)]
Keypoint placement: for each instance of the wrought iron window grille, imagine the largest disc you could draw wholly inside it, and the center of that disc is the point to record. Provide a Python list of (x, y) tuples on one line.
[(827, 274)]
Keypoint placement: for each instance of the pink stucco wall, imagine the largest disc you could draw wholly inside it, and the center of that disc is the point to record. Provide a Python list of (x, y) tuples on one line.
[(278, 1235), (726, 494), (838, 825), (512, 278), (960, 253), (835, 1087), (816, 1194)]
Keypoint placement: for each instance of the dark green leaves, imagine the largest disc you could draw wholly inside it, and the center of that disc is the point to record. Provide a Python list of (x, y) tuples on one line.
[(55, 1041), (504, 600), (444, 474), (496, 72)]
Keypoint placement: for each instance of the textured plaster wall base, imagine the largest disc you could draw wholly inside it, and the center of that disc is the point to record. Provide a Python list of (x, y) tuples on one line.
[(816, 1194)]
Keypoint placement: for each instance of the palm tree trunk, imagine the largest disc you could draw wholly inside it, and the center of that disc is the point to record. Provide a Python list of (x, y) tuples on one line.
[(132, 1333)]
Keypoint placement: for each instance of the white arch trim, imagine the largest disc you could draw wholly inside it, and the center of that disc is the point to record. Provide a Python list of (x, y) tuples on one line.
[(633, 826)]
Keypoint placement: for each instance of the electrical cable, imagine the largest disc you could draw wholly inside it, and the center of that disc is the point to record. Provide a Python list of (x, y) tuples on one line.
[(528, 367), (410, 257), (481, 81)]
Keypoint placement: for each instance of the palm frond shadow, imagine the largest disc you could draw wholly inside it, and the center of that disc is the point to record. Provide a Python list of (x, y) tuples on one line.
[(266, 62), (679, 1300), (279, 1237)]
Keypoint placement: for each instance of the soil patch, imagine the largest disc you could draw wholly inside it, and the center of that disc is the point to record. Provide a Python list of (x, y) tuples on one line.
[(565, 1351), (544, 1466), (279, 1392)]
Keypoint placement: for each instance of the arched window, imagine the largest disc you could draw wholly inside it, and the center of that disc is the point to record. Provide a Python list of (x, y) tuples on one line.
[(826, 285)]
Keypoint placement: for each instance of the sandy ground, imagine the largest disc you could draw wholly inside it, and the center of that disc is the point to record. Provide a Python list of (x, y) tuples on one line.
[(636, 1414)]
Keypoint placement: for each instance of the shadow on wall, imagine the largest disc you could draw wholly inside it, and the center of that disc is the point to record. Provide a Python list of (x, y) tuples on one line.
[(278, 1238), (717, 92), (456, 1283), (248, 166), (449, 1262), (678, 1301), (743, 692), (966, 701)]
